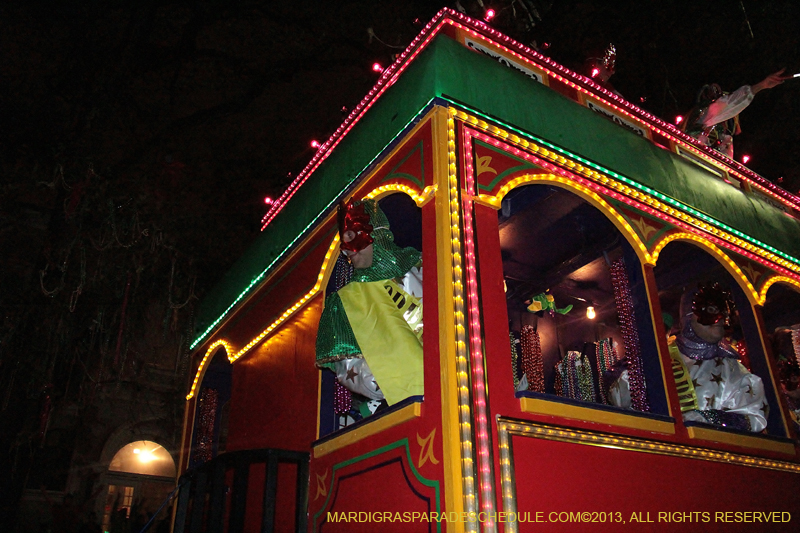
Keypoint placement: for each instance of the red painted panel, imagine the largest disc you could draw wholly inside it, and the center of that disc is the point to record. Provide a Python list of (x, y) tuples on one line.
[(564, 477), (285, 502), (275, 388), (254, 509), (378, 488)]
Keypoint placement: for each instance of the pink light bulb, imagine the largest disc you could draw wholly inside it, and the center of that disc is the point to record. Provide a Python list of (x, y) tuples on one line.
[(745, 159), (595, 72), (490, 13), (678, 119), (377, 67), (315, 144), (268, 200)]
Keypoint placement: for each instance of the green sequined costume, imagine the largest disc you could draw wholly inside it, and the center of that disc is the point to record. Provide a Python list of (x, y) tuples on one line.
[(335, 338)]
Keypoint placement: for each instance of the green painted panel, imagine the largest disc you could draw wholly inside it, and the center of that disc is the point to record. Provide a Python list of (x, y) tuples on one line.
[(447, 69)]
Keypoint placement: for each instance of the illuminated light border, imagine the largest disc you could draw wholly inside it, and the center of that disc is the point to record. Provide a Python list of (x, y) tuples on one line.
[(200, 369), (508, 482), (420, 199), (650, 121), (748, 441), (507, 428), (330, 255), (727, 262), (485, 461), (762, 297), (636, 194), (575, 185), (462, 364)]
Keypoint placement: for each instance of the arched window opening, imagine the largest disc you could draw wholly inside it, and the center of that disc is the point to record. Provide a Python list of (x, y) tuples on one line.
[(716, 353), (577, 305), (782, 328)]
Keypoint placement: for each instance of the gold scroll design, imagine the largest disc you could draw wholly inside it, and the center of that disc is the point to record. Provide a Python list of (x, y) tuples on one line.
[(483, 165), (644, 229), (321, 488), (426, 449), (752, 273)]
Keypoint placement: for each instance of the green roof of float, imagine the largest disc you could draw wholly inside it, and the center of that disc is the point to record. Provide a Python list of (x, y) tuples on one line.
[(449, 70)]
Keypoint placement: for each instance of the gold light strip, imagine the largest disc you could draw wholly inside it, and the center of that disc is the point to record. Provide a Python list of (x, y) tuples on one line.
[(634, 444), (733, 268), (467, 462)]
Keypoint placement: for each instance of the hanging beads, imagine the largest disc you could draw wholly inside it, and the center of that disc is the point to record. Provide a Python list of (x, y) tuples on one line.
[(630, 335), (342, 398), (206, 420), (514, 358), (532, 364), (606, 357)]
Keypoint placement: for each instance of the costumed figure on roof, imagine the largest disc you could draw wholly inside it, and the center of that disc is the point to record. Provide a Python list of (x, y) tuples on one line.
[(600, 68), (715, 118), (370, 332)]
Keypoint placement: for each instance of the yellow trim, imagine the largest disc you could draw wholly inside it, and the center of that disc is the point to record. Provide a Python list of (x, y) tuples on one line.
[(385, 190), (759, 319), (541, 406), (637, 444), (448, 370), (713, 249), (319, 400), (621, 188), (409, 412), (762, 297), (462, 34), (584, 192), (652, 295), (745, 441), (201, 369)]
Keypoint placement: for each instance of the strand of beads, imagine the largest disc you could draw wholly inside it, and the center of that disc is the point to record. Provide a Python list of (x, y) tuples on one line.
[(342, 398), (796, 342), (585, 380), (559, 384), (514, 358), (630, 335), (606, 357), (206, 422), (532, 363)]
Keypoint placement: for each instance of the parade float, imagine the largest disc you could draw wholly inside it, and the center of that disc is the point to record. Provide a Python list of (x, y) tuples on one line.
[(556, 233)]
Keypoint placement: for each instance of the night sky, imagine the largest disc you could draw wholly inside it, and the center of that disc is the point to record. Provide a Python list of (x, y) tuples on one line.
[(138, 140)]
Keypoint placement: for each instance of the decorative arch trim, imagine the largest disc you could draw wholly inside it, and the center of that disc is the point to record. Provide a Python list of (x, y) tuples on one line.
[(771, 281), (719, 254), (584, 192)]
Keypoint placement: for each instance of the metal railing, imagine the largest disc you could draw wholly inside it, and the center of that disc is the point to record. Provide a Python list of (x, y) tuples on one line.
[(207, 496)]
